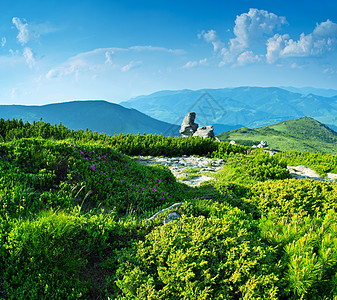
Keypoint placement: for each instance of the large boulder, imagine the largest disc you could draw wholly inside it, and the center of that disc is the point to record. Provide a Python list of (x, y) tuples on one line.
[(188, 127), (205, 132)]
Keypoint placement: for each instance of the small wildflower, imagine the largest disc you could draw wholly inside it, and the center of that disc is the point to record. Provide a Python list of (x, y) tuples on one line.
[(163, 192), (143, 189), (122, 180)]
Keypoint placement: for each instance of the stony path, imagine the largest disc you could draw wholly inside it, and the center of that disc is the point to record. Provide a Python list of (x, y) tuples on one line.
[(304, 172), (188, 169), (193, 170)]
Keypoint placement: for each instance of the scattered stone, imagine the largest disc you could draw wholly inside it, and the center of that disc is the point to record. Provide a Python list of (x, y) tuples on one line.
[(263, 144), (173, 216), (163, 210), (188, 127)]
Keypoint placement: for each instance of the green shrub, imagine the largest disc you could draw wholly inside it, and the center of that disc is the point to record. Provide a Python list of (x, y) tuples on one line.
[(307, 252), (293, 195), (199, 258)]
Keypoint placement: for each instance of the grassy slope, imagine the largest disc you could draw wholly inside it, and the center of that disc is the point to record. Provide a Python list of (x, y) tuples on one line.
[(304, 134), (71, 227)]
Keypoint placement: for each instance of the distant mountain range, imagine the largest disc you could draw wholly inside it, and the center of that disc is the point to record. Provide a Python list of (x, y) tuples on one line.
[(304, 134), (231, 108), (311, 90), (162, 112), (96, 115)]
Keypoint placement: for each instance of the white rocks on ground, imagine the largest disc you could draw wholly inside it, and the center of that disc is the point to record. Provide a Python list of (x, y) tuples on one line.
[(181, 167)]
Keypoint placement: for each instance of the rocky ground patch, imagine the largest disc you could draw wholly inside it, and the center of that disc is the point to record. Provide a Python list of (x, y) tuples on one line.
[(188, 169), (193, 170)]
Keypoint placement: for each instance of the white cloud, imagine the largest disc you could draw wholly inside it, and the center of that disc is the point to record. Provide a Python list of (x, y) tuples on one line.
[(323, 39), (3, 42), (192, 64), (25, 34), (125, 59), (29, 56), (211, 37), (131, 65), (248, 57), (251, 30), (274, 47), (152, 48)]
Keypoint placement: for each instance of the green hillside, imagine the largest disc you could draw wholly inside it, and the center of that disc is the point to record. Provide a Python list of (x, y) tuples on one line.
[(77, 220), (97, 115), (304, 134)]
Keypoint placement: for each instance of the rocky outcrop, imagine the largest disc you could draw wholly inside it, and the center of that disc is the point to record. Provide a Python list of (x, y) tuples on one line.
[(188, 127), (263, 144), (205, 132)]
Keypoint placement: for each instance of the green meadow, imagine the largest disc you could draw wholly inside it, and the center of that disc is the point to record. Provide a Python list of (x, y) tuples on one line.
[(74, 210)]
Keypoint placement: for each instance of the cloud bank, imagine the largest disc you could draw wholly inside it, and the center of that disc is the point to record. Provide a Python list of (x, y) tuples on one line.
[(258, 38)]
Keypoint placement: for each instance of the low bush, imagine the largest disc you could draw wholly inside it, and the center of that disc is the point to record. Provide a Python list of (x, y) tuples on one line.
[(199, 258)]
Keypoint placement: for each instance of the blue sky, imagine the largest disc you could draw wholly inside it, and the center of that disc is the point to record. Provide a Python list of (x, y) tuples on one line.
[(55, 51)]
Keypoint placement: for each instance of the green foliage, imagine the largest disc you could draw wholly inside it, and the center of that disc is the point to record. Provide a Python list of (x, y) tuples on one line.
[(309, 256), (292, 196), (199, 258), (259, 166), (304, 134), (322, 163), (73, 212)]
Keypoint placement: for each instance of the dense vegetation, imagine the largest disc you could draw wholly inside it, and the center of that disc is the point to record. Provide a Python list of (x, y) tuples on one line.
[(74, 210), (304, 134)]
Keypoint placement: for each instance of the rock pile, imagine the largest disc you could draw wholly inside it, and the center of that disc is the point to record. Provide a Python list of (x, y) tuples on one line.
[(263, 144), (189, 128)]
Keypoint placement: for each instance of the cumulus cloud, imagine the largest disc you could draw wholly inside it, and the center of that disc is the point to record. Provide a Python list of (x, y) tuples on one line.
[(248, 57), (258, 37), (26, 33), (29, 56), (250, 30), (275, 46), (192, 64), (3, 42), (131, 65), (212, 37), (323, 39)]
